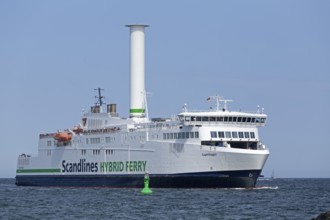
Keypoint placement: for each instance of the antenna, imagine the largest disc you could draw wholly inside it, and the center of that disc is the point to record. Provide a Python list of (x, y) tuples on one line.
[(218, 99), (99, 97)]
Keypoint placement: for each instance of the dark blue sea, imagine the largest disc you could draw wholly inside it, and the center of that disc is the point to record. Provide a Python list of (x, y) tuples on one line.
[(272, 199)]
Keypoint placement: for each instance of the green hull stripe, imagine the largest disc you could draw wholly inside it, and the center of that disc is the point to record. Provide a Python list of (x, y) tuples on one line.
[(136, 110), (38, 171)]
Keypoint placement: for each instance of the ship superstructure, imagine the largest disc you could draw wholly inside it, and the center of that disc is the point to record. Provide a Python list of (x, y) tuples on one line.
[(212, 148)]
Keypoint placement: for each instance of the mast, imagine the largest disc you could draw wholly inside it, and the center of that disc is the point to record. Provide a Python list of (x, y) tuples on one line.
[(99, 98)]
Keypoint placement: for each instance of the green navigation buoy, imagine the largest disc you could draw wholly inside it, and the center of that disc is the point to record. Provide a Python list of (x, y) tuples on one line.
[(146, 190)]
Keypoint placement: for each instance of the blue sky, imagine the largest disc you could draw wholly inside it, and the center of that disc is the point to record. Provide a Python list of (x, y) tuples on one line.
[(275, 54)]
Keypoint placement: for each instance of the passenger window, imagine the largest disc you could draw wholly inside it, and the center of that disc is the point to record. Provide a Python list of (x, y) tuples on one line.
[(198, 118), (221, 134), (214, 134), (192, 135), (240, 135), (183, 135)]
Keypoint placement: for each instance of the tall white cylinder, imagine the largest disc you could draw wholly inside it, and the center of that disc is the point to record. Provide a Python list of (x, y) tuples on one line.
[(137, 89)]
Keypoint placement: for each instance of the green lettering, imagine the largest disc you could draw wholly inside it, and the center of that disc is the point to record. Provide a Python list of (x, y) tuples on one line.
[(121, 166), (127, 165), (139, 166), (110, 167), (102, 166)]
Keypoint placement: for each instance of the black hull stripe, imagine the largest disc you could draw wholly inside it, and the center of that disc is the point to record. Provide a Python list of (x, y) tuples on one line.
[(228, 179)]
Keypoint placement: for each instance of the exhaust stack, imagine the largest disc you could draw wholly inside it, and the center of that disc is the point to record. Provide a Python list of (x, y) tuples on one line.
[(137, 89)]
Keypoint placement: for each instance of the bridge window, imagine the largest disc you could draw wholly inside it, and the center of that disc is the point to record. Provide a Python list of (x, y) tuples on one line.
[(205, 118), (234, 134), (230, 119), (248, 119), (253, 119), (228, 134), (212, 118), (239, 119), (252, 135), (226, 119), (198, 118), (246, 134), (234, 119), (187, 118), (244, 119), (260, 120)]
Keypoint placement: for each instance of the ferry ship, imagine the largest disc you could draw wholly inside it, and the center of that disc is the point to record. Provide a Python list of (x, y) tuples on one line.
[(215, 148)]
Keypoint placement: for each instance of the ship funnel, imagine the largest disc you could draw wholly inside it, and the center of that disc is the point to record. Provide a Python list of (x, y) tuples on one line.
[(137, 89)]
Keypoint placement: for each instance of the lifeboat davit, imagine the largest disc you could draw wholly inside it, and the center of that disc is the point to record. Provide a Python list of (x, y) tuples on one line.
[(63, 136), (78, 130)]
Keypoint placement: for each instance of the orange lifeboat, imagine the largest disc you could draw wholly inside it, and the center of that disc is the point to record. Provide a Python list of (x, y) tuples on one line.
[(63, 136)]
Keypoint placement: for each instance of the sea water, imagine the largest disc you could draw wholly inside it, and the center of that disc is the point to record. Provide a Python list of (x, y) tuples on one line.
[(271, 199)]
